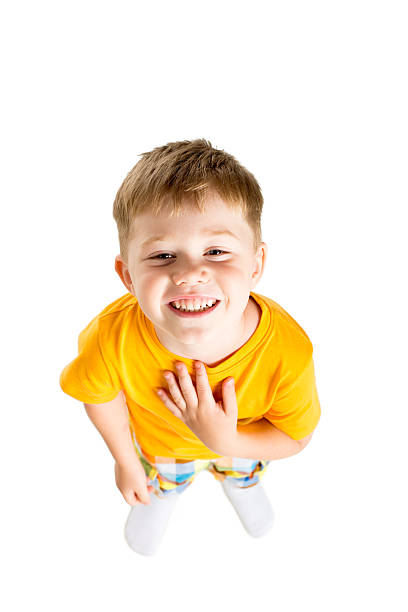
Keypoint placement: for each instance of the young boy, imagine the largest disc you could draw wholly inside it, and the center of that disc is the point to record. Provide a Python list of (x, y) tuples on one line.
[(191, 369)]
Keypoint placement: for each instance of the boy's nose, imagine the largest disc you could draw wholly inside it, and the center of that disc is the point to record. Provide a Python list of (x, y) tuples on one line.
[(191, 275)]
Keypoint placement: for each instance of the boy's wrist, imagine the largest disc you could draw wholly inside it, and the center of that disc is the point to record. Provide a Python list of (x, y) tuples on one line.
[(126, 457)]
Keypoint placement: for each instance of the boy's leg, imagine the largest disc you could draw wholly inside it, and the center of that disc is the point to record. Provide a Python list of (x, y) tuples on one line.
[(146, 524), (240, 482)]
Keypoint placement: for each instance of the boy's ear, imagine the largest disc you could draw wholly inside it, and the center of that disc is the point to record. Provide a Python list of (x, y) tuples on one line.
[(123, 272), (260, 260)]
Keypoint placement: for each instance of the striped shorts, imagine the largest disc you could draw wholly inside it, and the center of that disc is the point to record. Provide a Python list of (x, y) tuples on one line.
[(169, 474)]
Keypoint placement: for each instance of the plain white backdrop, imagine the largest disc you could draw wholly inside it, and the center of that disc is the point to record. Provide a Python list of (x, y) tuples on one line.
[(312, 98)]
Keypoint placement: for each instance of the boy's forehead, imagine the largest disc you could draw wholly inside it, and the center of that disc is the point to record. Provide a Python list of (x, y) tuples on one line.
[(208, 232), (148, 227)]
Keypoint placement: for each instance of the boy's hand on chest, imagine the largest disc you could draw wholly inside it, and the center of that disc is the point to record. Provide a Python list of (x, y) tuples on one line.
[(214, 423)]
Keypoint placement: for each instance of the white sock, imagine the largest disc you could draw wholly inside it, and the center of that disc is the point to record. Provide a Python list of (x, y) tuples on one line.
[(146, 524), (252, 506)]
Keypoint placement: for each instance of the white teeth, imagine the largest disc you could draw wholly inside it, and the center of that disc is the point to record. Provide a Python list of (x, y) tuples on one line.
[(194, 305)]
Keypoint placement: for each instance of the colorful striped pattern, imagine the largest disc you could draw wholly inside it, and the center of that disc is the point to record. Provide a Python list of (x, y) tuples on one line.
[(168, 474)]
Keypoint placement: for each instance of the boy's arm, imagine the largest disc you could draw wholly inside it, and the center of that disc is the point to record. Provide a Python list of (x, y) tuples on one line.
[(262, 440), (111, 420)]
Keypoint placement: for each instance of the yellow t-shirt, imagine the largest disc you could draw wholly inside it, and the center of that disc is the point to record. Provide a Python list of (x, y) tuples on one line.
[(273, 373)]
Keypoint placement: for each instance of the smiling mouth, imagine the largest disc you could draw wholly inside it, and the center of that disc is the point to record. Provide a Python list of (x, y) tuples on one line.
[(184, 312)]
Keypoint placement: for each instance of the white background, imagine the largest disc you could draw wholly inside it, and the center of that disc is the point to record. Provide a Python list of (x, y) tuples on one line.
[(312, 98)]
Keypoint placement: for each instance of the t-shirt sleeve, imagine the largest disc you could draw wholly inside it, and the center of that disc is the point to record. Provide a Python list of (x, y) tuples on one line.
[(90, 377), (296, 407)]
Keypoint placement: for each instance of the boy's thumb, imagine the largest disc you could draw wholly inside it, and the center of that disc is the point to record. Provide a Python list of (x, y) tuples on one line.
[(144, 497)]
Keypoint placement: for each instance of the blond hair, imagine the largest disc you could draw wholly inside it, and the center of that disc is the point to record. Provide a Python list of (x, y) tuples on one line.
[(182, 172)]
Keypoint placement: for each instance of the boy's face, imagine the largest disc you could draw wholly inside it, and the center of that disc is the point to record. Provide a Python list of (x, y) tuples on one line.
[(170, 257)]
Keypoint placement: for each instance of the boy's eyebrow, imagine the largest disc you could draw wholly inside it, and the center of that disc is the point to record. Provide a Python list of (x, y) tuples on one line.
[(207, 232)]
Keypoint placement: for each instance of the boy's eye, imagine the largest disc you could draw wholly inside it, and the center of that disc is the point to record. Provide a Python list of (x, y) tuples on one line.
[(219, 251), (164, 256)]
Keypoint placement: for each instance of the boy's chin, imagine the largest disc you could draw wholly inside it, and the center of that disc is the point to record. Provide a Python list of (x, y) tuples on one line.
[(191, 336)]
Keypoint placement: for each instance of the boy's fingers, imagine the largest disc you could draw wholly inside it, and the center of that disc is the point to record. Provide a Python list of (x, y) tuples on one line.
[(144, 495), (137, 497), (131, 498), (150, 487), (202, 384), (186, 384), (230, 399), (174, 390), (144, 498)]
